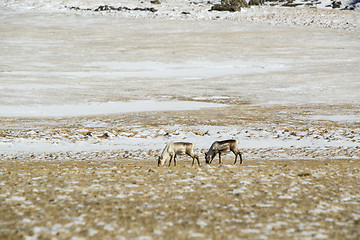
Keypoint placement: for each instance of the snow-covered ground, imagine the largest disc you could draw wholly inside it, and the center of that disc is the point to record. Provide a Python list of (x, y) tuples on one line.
[(67, 65), (93, 109)]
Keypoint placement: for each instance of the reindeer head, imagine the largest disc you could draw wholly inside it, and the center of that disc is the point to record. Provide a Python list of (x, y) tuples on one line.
[(161, 161), (207, 158)]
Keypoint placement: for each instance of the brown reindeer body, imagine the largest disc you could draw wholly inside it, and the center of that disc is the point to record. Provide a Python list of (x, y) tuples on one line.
[(219, 147), (177, 148)]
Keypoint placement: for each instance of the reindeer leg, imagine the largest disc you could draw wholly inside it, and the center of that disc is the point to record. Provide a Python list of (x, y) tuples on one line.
[(175, 160), (197, 158), (212, 158), (171, 156), (240, 158), (193, 161), (219, 157), (235, 157), (192, 156)]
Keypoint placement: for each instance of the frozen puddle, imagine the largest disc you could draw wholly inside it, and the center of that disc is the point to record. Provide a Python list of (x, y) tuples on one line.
[(87, 109)]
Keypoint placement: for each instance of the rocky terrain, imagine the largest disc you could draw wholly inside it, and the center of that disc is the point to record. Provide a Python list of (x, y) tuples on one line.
[(318, 14)]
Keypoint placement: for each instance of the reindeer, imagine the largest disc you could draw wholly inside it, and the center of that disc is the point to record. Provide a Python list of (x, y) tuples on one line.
[(223, 146), (177, 148)]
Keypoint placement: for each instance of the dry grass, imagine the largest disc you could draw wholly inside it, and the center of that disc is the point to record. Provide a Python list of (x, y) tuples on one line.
[(99, 198)]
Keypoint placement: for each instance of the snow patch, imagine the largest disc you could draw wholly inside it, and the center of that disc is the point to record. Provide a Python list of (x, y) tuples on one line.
[(73, 110)]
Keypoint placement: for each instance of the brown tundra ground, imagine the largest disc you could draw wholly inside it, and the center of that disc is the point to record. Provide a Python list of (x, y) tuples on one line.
[(113, 198)]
